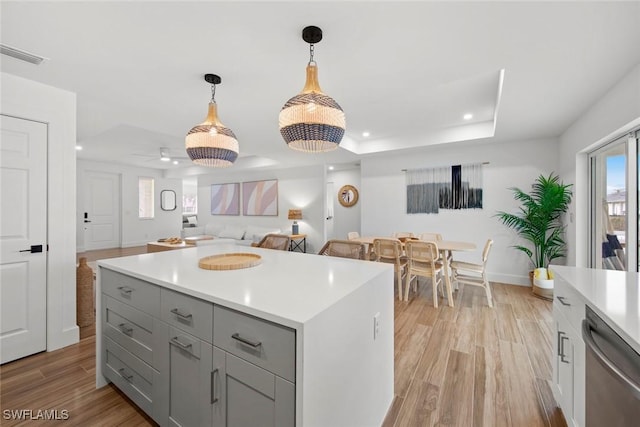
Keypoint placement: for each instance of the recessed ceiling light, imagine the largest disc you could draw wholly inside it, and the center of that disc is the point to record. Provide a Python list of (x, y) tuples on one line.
[(175, 162), (165, 159), (330, 168), (78, 147), (365, 134), (468, 116)]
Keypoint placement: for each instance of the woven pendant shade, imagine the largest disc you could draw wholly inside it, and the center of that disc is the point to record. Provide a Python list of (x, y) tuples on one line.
[(312, 121), (211, 143)]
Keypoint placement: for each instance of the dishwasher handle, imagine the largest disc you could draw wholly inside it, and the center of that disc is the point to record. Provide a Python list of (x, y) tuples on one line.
[(606, 362)]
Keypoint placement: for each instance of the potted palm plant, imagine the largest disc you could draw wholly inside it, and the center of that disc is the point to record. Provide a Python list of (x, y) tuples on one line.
[(539, 222)]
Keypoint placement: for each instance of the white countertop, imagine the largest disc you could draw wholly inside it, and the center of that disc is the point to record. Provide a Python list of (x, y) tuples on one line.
[(613, 295), (287, 287)]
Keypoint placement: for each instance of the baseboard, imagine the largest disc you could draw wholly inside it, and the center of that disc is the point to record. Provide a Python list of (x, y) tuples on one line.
[(134, 244), (510, 279)]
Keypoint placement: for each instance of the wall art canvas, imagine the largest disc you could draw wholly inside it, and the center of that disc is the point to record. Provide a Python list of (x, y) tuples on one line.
[(454, 187), (260, 198), (225, 199)]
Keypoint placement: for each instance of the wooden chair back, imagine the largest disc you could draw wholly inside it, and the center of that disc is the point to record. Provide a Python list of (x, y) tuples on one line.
[(344, 249), (430, 237), (275, 241), (353, 235)]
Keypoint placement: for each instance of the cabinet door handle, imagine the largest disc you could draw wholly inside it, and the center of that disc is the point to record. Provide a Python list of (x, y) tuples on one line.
[(125, 290), (214, 374), (563, 357), (125, 330), (562, 301), (128, 378), (180, 344), (251, 343), (181, 315)]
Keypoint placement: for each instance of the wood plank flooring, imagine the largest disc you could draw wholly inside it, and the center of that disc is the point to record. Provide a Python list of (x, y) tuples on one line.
[(472, 365), (464, 366)]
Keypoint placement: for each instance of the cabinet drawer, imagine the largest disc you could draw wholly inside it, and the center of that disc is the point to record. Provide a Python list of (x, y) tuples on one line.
[(570, 303), (266, 344), (135, 292), (132, 329), (131, 375), (190, 314)]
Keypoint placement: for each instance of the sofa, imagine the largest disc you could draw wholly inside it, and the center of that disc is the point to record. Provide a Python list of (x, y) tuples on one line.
[(238, 234)]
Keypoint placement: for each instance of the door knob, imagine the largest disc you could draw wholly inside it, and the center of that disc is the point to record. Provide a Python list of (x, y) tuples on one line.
[(86, 220), (34, 249)]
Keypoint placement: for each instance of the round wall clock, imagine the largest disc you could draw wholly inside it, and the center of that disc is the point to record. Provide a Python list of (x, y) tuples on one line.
[(348, 196)]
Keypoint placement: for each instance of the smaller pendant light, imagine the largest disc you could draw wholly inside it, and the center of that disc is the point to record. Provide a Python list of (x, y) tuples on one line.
[(211, 143), (312, 121)]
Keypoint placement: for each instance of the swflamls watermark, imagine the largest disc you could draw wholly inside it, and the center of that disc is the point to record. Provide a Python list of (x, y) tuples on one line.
[(35, 415)]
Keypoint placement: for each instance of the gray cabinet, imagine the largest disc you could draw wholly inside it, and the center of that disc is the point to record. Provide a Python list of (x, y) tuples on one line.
[(187, 381), (569, 353), (157, 349), (246, 395)]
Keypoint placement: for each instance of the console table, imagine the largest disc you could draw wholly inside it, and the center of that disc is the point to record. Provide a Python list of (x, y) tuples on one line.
[(298, 243)]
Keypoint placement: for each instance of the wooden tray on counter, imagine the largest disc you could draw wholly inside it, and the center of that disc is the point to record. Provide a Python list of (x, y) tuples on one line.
[(231, 261)]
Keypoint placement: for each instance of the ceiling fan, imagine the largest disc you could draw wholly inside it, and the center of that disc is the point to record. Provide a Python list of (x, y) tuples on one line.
[(165, 154)]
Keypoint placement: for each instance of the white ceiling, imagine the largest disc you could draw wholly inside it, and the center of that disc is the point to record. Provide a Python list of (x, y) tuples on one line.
[(404, 71)]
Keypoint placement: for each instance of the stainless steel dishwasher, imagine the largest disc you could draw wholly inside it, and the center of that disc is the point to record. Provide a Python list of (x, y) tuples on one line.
[(612, 376)]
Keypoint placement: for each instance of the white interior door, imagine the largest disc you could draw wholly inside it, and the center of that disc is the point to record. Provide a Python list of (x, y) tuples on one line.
[(102, 210), (23, 231)]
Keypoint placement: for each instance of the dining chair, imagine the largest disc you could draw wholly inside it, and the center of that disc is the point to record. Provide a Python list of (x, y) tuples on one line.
[(353, 235), (399, 234), (390, 251), (274, 241), (344, 249), (423, 261), (474, 274), (430, 237)]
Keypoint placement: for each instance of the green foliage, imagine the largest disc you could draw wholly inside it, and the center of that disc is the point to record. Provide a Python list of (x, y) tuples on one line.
[(539, 219)]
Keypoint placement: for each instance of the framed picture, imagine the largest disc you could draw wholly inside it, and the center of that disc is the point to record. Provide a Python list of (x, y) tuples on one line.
[(260, 198), (225, 199)]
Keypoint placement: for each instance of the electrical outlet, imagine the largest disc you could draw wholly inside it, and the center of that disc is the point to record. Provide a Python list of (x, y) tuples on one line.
[(376, 325)]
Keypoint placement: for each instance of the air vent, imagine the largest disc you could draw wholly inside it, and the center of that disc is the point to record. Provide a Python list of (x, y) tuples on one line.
[(21, 54)]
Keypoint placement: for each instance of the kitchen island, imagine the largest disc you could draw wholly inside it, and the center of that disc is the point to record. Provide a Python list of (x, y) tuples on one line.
[(300, 339), (614, 296)]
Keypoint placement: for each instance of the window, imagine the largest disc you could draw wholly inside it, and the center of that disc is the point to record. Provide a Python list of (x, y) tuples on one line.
[(614, 220), (190, 196), (145, 198)]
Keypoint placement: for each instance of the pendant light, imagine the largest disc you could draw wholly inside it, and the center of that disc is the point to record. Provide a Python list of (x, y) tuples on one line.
[(211, 143), (312, 121)]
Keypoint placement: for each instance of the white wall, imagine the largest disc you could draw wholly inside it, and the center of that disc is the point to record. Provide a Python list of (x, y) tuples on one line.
[(344, 219), (614, 114), (512, 164), (302, 188), (134, 231), (34, 101)]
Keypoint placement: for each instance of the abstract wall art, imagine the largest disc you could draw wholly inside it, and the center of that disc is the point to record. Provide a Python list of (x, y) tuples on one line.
[(449, 187), (260, 198), (225, 199)]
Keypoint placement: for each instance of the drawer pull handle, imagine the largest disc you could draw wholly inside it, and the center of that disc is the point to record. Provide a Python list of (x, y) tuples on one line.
[(125, 329), (182, 345), (214, 374), (125, 290), (563, 356), (562, 301), (182, 315), (128, 378), (254, 344)]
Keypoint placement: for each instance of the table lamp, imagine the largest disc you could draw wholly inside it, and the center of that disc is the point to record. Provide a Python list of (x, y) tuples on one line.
[(295, 214)]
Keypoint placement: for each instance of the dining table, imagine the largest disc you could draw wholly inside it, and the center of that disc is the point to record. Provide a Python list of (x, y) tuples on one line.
[(445, 247)]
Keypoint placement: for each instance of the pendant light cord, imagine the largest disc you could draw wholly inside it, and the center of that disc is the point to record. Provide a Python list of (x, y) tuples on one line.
[(213, 93), (311, 51)]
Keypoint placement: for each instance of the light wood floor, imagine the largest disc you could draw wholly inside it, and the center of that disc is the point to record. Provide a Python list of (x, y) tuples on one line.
[(466, 366)]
